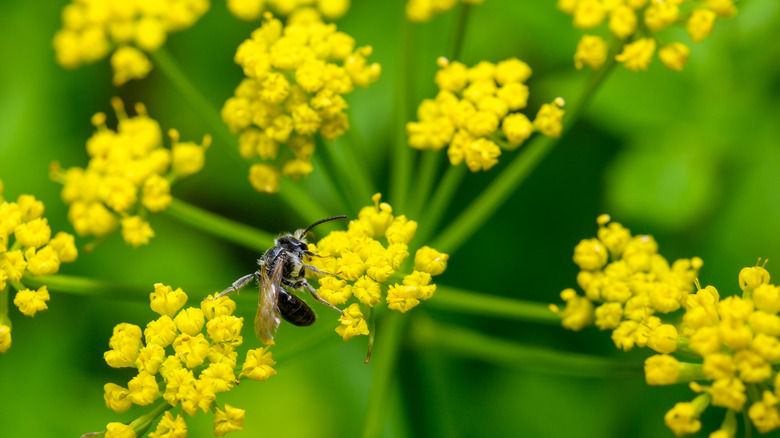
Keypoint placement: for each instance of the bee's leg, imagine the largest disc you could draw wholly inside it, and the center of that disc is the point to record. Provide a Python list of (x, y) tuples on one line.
[(317, 297), (238, 284), (313, 269)]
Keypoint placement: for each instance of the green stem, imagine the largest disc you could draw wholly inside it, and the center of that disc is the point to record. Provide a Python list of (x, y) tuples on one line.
[(300, 201), (466, 343), (402, 160), (219, 226), (4, 319), (388, 347), (356, 168), (305, 347), (431, 159), (426, 174), (142, 424), (168, 66), (336, 201), (729, 423), (442, 197), (357, 144), (371, 332), (87, 286), (472, 303), (482, 208), (346, 176), (460, 31)]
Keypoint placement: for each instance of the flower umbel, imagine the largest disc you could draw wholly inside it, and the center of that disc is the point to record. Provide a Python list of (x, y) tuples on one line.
[(177, 361), (477, 113), (371, 260), (296, 77), (92, 29), (129, 175), (639, 25), (27, 248), (631, 290)]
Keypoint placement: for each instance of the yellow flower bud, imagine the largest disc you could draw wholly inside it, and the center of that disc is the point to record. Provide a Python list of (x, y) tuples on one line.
[(352, 323), (225, 329), (190, 321), (637, 55), (591, 51), (258, 364), (5, 338), (119, 430), (191, 350), (31, 301), (170, 427), (33, 234), (117, 397), (663, 339), (661, 369), (42, 262), (143, 389), (228, 420), (161, 331)]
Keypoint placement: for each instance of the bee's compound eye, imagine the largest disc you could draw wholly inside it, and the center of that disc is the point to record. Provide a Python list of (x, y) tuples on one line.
[(302, 246)]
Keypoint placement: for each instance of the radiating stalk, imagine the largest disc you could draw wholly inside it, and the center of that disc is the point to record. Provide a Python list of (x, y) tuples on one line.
[(219, 226), (473, 303)]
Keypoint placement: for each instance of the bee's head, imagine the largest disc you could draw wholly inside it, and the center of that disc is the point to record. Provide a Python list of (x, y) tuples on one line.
[(293, 242), (301, 234)]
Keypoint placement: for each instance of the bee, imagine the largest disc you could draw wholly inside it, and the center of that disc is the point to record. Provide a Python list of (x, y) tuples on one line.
[(282, 270)]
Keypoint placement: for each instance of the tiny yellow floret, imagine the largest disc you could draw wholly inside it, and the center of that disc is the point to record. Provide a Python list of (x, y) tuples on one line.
[(700, 24), (5, 338), (549, 118), (661, 369), (637, 55), (31, 301), (674, 56), (143, 389), (166, 301), (119, 430), (228, 420), (116, 397), (352, 323), (591, 51), (170, 427), (683, 419), (258, 365)]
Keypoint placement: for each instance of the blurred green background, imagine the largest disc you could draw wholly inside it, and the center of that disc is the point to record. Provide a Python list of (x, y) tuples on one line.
[(692, 158)]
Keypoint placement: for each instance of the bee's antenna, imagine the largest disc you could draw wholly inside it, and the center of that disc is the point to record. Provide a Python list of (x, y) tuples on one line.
[(322, 221)]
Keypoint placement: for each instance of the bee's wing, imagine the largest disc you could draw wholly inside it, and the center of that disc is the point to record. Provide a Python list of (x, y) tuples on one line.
[(267, 318)]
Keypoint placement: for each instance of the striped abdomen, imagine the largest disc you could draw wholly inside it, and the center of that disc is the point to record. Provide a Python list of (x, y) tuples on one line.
[(294, 310)]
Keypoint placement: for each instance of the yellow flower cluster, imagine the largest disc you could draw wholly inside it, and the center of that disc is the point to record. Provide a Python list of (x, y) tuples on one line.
[(296, 77), (128, 175), (737, 341), (91, 29), (425, 10), (250, 10), (731, 345), (627, 284), (177, 362), (477, 113), (637, 22), (369, 261), (27, 247)]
